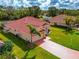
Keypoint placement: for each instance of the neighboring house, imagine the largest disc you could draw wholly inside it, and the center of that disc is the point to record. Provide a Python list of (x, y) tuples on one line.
[(59, 20), (19, 27), (1, 45)]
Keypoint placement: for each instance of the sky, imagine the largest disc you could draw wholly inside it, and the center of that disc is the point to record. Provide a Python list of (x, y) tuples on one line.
[(43, 4)]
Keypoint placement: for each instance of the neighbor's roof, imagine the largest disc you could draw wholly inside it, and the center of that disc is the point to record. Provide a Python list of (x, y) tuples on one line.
[(20, 25), (58, 19)]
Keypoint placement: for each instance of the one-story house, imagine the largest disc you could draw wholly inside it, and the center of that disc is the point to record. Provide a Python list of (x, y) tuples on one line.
[(19, 27), (59, 20)]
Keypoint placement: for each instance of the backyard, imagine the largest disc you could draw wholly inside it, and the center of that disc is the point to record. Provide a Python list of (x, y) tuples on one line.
[(21, 50), (67, 39)]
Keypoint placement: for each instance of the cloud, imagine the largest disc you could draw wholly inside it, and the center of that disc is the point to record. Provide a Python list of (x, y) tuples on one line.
[(43, 4)]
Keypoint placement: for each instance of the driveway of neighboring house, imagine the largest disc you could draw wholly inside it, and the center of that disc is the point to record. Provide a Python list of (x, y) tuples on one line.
[(59, 50)]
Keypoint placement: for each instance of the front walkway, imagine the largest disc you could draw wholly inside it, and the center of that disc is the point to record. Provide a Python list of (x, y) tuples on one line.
[(59, 50)]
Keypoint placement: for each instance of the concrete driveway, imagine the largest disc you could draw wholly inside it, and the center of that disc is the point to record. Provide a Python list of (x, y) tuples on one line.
[(59, 50)]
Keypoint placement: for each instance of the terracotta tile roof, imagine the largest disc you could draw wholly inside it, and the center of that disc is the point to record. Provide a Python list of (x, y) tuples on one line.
[(60, 19), (57, 19), (20, 25)]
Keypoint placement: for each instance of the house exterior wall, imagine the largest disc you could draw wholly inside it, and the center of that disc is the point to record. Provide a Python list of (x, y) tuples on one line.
[(26, 38)]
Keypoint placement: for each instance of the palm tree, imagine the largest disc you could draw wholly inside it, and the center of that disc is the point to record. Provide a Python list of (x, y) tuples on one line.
[(69, 21), (33, 31)]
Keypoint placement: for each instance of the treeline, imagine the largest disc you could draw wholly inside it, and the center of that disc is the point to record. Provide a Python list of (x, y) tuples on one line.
[(11, 13), (71, 12), (52, 11)]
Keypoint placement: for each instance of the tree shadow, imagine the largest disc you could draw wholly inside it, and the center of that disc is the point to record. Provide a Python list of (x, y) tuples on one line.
[(26, 54), (24, 45), (77, 33), (70, 31)]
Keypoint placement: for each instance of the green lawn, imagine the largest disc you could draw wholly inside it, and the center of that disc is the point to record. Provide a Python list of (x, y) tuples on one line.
[(68, 39), (20, 48)]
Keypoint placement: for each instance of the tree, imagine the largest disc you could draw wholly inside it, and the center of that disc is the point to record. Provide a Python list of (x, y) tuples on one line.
[(69, 21), (33, 31), (52, 11), (77, 20), (6, 50), (34, 11), (7, 47)]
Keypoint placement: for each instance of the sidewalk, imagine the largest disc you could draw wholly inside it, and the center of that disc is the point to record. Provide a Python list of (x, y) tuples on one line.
[(59, 50)]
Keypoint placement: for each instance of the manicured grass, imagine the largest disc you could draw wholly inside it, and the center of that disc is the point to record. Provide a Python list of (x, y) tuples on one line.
[(68, 39), (20, 48)]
